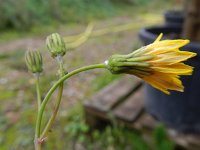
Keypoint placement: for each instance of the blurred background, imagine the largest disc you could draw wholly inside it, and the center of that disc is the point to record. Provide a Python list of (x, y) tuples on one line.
[(24, 25)]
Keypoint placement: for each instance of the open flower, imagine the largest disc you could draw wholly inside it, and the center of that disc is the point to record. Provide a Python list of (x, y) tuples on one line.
[(159, 64)]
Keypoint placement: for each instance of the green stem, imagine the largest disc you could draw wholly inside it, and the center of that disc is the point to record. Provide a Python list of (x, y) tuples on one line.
[(39, 100), (58, 100), (38, 146), (53, 116), (53, 88)]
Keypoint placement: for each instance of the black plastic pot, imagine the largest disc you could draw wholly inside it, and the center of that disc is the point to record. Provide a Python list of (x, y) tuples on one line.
[(178, 110), (174, 17)]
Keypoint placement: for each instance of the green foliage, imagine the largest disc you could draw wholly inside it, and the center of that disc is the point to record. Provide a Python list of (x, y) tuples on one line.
[(15, 60), (14, 14), (22, 14), (114, 136), (77, 129), (137, 141), (103, 80), (161, 139), (136, 2), (85, 10), (7, 94), (77, 132), (3, 56)]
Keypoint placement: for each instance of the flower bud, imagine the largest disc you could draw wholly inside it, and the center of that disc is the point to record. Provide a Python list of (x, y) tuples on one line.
[(127, 64), (34, 61), (56, 45)]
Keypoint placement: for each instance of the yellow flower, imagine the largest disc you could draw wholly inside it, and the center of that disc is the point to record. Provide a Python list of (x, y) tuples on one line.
[(159, 64)]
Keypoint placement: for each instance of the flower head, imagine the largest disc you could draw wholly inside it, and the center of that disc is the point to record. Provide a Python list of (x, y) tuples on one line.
[(34, 61), (159, 64), (56, 45)]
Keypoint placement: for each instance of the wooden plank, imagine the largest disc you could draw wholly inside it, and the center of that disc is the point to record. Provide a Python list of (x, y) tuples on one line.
[(110, 96), (131, 109), (145, 122)]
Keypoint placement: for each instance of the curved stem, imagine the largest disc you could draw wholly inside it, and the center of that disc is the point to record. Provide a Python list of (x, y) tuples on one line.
[(53, 116), (58, 100), (53, 88)]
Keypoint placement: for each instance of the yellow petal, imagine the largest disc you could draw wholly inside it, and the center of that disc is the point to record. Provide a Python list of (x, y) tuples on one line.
[(165, 82), (166, 45), (172, 57), (164, 60), (156, 84), (179, 69), (158, 38)]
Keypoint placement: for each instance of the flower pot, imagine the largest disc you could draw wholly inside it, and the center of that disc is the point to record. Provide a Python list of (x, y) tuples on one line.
[(178, 110), (174, 17)]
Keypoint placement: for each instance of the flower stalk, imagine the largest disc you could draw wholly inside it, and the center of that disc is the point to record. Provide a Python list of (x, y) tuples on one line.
[(160, 64), (37, 83), (57, 84), (58, 100), (39, 101)]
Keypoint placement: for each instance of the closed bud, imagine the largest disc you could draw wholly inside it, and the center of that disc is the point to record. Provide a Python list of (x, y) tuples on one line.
[(34, 61), (128, 64), (56, 45)]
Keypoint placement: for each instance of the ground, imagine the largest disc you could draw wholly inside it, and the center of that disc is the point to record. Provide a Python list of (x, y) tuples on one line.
[(18, 104)]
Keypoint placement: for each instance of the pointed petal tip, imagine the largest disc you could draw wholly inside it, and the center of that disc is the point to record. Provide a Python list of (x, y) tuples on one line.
[(167, 92), (187, 41), (194, 54), (159, 37)]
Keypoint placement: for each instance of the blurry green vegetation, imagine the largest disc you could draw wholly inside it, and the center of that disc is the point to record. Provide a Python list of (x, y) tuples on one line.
[(22, 14), (24, 18), (16, 56), (114, 136), (103, 80), (7, 94), (161, 140)]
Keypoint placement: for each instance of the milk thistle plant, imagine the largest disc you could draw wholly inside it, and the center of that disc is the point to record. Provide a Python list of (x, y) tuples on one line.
[(160, 64)]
